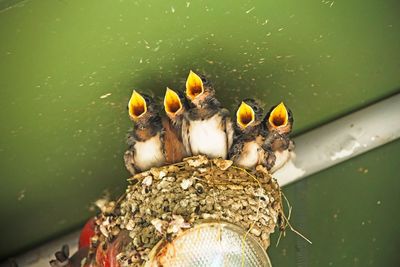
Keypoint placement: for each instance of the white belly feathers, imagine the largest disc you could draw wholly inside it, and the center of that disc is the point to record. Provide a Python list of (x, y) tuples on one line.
[(250, 157), (149, 153), (281, 158), (208, 137)]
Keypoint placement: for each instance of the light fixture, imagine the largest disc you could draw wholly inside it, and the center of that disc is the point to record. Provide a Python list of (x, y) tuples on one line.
[(210, 244)]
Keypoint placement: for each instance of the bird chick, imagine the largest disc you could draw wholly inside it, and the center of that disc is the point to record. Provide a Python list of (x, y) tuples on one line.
[(247, 148), (207, 127), (278, 125), (146, 144), (175, 106)]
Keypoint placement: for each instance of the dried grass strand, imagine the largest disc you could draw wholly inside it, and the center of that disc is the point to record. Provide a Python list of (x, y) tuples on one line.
[(286, 221)]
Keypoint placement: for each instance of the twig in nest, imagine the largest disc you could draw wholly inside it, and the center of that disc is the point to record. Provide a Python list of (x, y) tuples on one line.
[(286, 222), (288, 204)]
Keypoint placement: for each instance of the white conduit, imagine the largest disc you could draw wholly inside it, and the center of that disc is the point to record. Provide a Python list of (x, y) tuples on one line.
[(342, 139), (41, 256), (315, 150)]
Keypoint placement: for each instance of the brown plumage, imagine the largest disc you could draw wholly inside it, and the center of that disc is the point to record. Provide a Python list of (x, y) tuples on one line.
[(175, 106), (207, 127), (146, 144), (278, 124), (173, 146)]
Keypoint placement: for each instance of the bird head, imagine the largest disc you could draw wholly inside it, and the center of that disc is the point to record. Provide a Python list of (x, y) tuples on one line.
[(174, 104), (279, 119), (142, 108), (198, 89), (249, 114)]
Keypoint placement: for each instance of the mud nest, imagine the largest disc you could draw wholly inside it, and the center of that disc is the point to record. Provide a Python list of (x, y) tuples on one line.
[(160, 203)]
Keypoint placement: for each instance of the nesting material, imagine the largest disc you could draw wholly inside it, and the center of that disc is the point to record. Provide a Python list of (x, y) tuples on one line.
[(162, 202)]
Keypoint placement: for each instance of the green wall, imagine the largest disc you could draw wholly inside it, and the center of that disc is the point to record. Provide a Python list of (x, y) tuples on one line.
[(350, 213), (61, 143)]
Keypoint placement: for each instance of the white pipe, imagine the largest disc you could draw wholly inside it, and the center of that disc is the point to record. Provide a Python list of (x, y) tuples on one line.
[(342, 139), (41, 256)]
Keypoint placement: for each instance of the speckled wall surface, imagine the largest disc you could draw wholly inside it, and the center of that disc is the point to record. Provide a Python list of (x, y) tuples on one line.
[(349, 211), (68, 67)]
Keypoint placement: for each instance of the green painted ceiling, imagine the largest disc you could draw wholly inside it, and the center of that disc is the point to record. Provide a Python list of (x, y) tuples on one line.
[(68, 67), (350, 213)]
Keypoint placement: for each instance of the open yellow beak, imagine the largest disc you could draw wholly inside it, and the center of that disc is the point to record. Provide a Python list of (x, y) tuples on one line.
[(194, 85), (172, 102), (245, 115), (279, 116), (137, 105)]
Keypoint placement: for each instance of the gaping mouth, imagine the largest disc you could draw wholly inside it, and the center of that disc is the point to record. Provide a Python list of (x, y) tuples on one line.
[(137, 105), (245, 115), (172, 102), (279, 116), (194, 85)]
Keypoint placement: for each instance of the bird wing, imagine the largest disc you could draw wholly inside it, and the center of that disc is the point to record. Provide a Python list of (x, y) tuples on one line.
[(129, 161), (174, 151), (129, 156), (228, 127), (163, 140), (291, 145), (235, 149), (186, 137), (229, 131), (269, 159)]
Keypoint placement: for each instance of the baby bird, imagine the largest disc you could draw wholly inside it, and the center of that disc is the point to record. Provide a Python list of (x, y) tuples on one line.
[(247, 151), (174, 106), (278, 124), (146, 144), (207, 127)]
